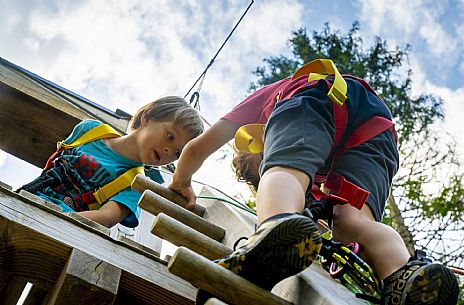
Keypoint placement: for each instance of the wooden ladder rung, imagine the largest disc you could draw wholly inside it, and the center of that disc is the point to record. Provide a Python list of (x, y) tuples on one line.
[(155, 204), (142, 183), (179, 234), (219, 281)]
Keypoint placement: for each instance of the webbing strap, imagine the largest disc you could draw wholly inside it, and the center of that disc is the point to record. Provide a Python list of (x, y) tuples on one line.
[(103, 131), (369, 129), (249, 138), (320, 69), (117, 185)]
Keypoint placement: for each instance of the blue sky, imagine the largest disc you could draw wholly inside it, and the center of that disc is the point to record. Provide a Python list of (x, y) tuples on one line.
[(125, 53)]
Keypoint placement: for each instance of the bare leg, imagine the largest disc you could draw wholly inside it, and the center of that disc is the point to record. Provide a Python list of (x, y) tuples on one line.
[(381, 246), (281, 190)]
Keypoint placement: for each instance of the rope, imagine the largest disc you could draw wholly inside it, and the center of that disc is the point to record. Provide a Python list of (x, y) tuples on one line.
[(235, 202), (203, 74)]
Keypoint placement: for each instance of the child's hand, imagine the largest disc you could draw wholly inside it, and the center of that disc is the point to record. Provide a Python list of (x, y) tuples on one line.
[(186, 191)]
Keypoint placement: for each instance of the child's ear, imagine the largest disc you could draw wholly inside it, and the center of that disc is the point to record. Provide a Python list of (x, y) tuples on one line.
[(144, 119)]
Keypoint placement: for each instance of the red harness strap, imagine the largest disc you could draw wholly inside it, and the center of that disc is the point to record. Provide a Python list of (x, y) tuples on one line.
[(55, 155), (341, 190)]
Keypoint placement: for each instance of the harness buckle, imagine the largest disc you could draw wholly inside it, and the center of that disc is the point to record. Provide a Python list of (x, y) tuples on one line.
[(100, 196), (336, 96), (345, 190), (59, 144)]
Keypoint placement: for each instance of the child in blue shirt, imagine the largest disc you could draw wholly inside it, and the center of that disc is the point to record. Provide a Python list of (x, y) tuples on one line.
[(159, 131)]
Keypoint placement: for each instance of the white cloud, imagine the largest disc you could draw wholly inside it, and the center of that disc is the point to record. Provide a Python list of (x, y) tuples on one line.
[(453, 102), (407, 20), (127, 53), (123, 54)]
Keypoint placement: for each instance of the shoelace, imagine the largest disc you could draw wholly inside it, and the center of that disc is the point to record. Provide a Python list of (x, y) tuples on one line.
[(239, 240)]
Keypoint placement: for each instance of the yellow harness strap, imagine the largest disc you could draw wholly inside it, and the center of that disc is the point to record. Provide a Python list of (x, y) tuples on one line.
[(104, 131), (250, 138), (320, 69), (117, 185)]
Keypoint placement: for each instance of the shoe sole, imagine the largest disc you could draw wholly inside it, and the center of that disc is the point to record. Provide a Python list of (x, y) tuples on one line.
[(433, 284), (282, 251)]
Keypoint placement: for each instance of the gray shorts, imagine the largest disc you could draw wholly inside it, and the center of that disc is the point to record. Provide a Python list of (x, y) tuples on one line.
[(299, 134)]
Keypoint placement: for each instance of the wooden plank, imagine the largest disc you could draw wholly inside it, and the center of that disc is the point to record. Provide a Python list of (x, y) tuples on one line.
[(219, 281), (135, 244), (142, 183), (37, 244), (92, 225), (181, 235), (155, 204), (6, 186), (60, 98), (13, 290), (93, 280), (316, 286), (4, 276), (26, 109), (25, 128), (40, 201)]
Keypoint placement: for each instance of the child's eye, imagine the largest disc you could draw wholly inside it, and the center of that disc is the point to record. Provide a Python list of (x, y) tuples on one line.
[(170, 136)]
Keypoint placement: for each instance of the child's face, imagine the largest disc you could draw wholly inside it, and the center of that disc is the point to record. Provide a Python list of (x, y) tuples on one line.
[(161, 142)]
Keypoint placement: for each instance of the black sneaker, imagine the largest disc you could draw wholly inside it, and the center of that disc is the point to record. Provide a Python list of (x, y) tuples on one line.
[(421, 282), (278, 249)]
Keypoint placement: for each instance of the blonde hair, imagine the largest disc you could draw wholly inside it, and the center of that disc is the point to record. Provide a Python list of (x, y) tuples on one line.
[(246, 168), (170, 108)]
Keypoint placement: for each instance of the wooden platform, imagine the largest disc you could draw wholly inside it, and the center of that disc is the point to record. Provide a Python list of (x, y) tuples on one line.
[(60, 256)]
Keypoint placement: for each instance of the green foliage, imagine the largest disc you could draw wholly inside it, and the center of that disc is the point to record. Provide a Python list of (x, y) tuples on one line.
[(251, 204), (428, 157)]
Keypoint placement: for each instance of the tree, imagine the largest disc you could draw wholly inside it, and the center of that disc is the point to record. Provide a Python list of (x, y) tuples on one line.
[(428, 188)]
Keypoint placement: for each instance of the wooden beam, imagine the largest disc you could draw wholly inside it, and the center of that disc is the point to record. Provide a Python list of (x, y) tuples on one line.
[(6, 186), (219, 281), (92, 280), (36, 244), (142, 183), (89, 223), (181, 235), (40, 201), (26, 130), (156, 204), (13, 290), (314, 285), (135, 244), (28, 108)]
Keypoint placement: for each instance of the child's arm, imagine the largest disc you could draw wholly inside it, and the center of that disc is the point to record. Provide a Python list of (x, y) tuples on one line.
[(108, 215), (195, 152)]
